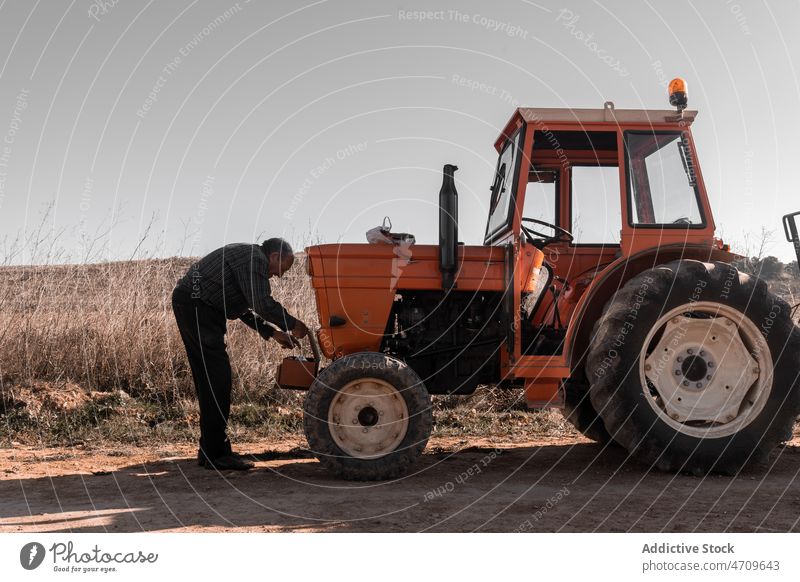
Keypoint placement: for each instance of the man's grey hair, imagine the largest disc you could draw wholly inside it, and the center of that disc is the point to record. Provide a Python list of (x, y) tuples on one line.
[(277, 245)]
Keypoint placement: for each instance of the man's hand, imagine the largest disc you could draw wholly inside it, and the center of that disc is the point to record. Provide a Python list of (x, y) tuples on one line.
[(284, 339), (299, 330)]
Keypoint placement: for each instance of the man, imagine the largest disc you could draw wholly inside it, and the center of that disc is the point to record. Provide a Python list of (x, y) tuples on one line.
[(231, 282)]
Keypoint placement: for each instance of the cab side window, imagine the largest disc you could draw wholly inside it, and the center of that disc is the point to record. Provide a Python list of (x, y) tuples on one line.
[(596, 217)]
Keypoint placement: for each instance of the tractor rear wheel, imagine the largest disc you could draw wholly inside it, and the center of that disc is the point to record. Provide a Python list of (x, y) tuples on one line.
[(580, 413), (367, 417), (693, 368)]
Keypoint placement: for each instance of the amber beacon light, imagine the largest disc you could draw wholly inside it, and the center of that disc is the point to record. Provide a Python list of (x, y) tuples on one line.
[(678, 96)]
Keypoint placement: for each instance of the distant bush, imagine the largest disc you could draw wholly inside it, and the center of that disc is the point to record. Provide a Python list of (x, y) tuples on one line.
[(768, 268)]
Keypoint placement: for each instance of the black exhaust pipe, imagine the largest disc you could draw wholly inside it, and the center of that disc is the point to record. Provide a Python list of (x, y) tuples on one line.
[(448, 228)]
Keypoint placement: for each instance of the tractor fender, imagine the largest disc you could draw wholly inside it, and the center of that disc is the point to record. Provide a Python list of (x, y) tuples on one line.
[(610, 280)]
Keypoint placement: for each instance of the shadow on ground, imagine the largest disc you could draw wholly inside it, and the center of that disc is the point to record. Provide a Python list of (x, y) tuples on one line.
[(565, 487)]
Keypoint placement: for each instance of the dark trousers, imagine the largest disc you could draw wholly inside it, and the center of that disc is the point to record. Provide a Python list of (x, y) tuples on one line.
[(203, 332)]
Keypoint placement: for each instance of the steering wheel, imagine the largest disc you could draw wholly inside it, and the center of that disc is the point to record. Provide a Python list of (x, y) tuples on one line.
[(561, 234)]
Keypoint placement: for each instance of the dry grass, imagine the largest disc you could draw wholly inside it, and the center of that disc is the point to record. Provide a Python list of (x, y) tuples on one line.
[(92, 353), (74, 334), (110, 327)]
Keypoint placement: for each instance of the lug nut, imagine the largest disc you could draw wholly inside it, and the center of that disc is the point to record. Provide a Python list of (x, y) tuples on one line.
[(679, 358), (710, 364), (685, 382), (365, 430), (647, 367), (690, 351)]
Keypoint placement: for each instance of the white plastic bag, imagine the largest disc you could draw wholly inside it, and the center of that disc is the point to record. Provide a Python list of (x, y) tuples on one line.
[(383, 235)]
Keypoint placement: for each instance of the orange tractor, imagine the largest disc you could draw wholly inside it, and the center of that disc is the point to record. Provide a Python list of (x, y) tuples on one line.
[(600, 289)]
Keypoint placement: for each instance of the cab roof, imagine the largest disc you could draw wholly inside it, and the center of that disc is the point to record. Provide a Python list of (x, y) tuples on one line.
[(588, 117)]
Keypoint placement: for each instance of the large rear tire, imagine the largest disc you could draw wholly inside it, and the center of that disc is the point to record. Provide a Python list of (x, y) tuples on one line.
[(580, 413), (694, 367), (367, 417)]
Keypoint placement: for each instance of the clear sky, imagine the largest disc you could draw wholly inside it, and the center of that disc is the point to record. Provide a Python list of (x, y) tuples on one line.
[(231, 121)]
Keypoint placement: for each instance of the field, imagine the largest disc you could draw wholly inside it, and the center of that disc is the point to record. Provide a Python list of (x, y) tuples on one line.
[(99, 422)]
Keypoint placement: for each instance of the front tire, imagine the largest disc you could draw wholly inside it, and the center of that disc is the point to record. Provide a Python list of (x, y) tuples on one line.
[(367, 417), (694, 367)]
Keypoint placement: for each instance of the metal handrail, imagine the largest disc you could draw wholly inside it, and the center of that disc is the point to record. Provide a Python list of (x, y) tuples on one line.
[(790, 230)]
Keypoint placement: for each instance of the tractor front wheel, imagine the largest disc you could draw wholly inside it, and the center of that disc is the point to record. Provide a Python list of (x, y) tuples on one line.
[(367, 417), (694, 368)]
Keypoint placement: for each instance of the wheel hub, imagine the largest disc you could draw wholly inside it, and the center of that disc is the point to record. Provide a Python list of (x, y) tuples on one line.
[(368, 418), (701, 369), (694, 369)]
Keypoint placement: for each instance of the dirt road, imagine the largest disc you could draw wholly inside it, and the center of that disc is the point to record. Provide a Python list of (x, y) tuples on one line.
[(477, 485)]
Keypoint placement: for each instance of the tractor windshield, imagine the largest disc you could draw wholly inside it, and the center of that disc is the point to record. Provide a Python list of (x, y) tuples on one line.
[(501, 206), (662, 181)]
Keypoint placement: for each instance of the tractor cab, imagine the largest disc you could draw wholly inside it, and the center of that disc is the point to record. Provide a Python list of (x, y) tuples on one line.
[(577, 194)]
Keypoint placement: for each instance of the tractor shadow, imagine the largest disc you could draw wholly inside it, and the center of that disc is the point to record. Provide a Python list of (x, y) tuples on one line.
[(552, 487)]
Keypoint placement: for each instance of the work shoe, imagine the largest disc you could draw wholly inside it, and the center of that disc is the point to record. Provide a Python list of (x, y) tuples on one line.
[(229, 462), (201, 458)]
